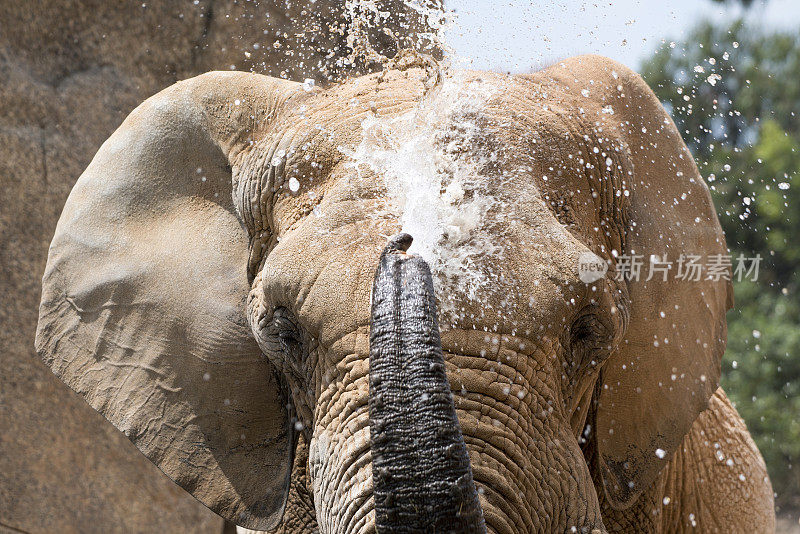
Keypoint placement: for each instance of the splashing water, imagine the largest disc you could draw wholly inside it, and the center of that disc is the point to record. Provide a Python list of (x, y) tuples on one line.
[(434, 173), (435, 179), (424, 35)]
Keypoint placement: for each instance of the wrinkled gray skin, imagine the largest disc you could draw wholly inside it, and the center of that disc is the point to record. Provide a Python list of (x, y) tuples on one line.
[(422, 481), (211, 311)]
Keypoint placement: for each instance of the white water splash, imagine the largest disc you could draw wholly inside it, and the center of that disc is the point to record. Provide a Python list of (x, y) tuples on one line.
[(367, 16), (436, 178)]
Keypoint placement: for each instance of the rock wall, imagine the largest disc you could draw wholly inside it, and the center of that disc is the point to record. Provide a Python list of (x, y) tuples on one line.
[(70, 71)]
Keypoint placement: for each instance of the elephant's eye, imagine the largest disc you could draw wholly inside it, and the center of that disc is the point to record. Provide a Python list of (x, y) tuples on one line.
[(283, 343), (286, 330), (590, 340)]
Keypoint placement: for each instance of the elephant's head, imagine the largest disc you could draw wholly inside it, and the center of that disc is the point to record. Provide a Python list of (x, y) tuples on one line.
[(220, 282)]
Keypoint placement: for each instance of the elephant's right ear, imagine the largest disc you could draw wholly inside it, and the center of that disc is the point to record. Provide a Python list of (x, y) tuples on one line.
[(667, 365), (143, 300)]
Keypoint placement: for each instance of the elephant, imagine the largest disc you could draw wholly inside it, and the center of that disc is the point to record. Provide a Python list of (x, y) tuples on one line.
[(72, 70), (383, 279)]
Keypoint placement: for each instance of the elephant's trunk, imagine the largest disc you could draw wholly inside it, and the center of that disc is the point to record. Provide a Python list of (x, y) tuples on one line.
[(422, 479)]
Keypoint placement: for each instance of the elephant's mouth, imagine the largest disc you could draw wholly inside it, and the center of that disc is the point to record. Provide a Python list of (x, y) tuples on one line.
[(422, 477)]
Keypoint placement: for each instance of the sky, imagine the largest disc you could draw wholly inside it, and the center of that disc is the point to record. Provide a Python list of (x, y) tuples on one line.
[(522, 35)]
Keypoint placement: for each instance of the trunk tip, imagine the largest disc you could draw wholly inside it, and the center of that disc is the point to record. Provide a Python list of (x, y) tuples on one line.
[(399, 242)]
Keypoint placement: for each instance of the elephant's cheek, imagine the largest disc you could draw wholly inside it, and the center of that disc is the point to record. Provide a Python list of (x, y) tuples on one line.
[(340, 465), (530, 478), (530, 472)]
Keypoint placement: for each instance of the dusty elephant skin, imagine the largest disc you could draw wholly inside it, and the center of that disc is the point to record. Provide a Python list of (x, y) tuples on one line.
[(209, 282)]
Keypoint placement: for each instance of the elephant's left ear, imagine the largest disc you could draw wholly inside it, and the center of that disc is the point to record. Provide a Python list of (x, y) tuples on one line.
[(143, 298), (668, 363)]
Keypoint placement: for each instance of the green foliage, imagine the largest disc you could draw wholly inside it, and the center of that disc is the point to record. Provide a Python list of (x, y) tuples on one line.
[(761, 371), (734, 95)]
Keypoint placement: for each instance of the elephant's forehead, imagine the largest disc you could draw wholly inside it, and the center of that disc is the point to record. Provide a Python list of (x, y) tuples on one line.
[(396, 123), (488, 172)]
